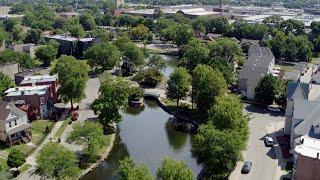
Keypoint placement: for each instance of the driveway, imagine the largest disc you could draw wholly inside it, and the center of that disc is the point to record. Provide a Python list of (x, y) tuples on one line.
[(265, 166)]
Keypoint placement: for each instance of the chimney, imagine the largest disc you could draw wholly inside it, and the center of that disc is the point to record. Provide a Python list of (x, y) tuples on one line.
[(302, 140), (17, 89), (22, 93)]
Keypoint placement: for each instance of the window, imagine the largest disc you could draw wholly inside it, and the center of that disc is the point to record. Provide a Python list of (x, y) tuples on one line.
[(42, 100), (10, 124), (15, 122)]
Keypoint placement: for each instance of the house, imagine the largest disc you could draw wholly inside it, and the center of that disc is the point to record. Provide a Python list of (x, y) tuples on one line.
[(19, 77), (260, 63), (37, 97), (50, 80), (69, 45), (306, 158), (25, 48), (10, 69), (303, 99), (14, 124)]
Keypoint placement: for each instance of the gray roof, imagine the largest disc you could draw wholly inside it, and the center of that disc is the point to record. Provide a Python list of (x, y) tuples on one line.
[(257, 64), (292, 87), (7, 107), (303, 108), (305, 127)]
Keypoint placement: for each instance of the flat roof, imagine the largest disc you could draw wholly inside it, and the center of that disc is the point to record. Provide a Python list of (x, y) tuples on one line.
[(28, 90), (35, 79), (310, 147)]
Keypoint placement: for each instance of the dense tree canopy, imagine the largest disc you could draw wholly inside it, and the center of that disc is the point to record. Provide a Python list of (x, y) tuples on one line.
[(114, 94), (218, 151), (47, 54), (16, 158), (103, 55), (5, 83), (73, 76), (207, 85), (57, 162), (128, 170), (267, 89), (178, 84), (227, 114), (171, 169)]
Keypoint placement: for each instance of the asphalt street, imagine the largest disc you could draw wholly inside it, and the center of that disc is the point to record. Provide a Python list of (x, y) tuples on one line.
[(265, 166)]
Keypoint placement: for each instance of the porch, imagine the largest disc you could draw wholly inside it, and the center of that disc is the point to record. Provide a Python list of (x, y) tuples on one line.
[(19, 134)]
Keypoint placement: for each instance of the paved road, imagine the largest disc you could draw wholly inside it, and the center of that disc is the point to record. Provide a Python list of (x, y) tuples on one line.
[(92, 93), (265, 165)]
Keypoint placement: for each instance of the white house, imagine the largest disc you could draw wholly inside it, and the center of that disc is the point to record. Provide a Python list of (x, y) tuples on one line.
[(14, 124)]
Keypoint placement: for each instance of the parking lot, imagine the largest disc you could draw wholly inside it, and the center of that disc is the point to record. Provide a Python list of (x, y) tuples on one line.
[(265, 165)]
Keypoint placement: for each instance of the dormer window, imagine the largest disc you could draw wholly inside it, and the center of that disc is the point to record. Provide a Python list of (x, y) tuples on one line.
[(316, 128)]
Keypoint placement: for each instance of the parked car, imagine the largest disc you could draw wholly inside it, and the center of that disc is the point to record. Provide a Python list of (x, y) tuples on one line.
[(246, 167), (273, 108), (268, 141)]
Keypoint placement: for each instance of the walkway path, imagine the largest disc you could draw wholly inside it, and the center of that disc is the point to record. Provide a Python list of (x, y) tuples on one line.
[(31, 159)]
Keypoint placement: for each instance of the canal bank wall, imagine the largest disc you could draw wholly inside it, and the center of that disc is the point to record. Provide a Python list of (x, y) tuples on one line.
[(103, 157)]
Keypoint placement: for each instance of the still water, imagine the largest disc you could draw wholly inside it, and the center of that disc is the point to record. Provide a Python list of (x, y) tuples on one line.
[(145, 136)]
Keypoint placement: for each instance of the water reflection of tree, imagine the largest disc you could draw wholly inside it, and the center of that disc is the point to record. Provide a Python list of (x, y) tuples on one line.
[(151, 104), (135, 111), (176, 139)]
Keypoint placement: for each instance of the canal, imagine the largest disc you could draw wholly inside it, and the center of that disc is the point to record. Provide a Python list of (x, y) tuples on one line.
[(144, 135)]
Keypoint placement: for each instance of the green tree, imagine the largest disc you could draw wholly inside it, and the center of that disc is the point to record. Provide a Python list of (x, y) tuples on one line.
[(218, 151), (16, 158), (10, 56), (225, 48), (32, 36), (178, 84), (46, 54), (57, 162), (183, 35), (17, 34), (207, 85), (128, 170), (267, 89), (157, 62), (5, 83), (114, 94), (227, 114), (105, 55), (76, 30), (292, 26), (278, 44), (195, 53), (134, 54), (90, 135), (87, 21), (139, 33), (273, 21), (172, 170), (122, 41), (73, 76)]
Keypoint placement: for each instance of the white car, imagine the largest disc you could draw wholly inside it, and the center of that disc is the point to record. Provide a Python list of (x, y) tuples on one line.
[(268, 141)]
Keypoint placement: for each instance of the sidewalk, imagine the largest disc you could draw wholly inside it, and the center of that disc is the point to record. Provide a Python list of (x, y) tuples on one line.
[(273, 130), (31, 159)]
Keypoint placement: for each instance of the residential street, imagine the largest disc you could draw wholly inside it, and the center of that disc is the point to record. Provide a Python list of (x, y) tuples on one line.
[(265, 166)]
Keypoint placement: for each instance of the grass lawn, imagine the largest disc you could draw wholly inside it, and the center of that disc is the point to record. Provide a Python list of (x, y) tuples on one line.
[(24, 168), (26, 149), (107, 139), (62, 128), (39, 130), (315, 60), (3, 163)]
